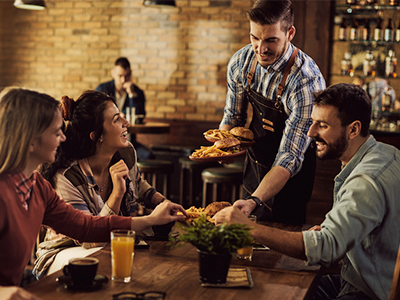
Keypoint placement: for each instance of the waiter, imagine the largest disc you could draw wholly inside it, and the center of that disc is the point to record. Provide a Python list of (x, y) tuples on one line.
[(278, 80)]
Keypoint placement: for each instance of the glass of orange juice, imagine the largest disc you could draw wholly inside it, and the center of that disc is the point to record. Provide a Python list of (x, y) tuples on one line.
[(246, 253), (122, 251)]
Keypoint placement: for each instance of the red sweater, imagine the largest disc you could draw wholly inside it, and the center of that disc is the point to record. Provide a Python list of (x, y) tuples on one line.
[(19, 227)]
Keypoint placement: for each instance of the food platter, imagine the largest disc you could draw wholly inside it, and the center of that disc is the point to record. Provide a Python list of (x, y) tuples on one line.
[(244, 144), (217, 158)]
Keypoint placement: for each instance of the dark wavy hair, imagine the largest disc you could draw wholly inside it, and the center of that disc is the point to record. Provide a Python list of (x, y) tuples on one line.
[(351, 101), (269, 12), (82, 117)]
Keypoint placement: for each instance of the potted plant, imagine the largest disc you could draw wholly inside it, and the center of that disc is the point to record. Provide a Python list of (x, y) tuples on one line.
[(215, 245)]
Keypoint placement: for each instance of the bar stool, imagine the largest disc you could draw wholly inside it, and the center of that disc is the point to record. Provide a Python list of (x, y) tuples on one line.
[(150, 168), (191, 182), (231, 179)]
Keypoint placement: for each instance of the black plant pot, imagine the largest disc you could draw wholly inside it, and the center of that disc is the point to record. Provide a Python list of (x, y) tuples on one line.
[(213, 268)]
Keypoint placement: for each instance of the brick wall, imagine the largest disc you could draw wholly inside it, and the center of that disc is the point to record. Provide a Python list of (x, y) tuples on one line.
[(178, 54)]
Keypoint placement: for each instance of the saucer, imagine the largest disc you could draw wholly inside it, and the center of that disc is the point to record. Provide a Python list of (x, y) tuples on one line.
[(98, 282)]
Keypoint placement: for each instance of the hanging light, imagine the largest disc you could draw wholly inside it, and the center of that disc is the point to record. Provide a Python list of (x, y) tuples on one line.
[(159, 2), (30, 4)]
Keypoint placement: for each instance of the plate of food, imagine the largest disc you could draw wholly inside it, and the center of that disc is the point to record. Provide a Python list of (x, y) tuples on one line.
[(224, 149), (210, 211), (244, 135)]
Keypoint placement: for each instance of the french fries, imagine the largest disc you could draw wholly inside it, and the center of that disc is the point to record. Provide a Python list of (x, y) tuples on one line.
[(211, 151), (218, 134)]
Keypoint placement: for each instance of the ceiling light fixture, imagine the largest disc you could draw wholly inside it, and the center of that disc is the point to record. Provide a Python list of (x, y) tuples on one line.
[(30, 4), (159, 2)]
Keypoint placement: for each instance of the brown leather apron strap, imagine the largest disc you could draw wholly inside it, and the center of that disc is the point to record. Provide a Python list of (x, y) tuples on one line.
[(286, 73), (250, 76)]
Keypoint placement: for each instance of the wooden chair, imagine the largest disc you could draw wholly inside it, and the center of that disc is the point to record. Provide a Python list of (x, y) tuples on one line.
[(395, 290)]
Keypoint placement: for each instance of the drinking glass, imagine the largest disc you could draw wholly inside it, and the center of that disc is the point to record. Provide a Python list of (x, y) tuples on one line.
[(247, 252), (122, 252)]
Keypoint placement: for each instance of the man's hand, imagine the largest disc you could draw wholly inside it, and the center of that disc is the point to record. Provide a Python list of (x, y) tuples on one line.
[(246, 206), (130, 89), (15, 293), (230, 215)]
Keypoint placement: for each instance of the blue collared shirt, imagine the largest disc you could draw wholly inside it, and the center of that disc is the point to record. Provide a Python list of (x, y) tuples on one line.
[(363, 226), (304, 79)]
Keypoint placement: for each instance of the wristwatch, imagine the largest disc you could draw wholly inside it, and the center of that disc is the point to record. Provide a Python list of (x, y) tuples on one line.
[(256, 200)]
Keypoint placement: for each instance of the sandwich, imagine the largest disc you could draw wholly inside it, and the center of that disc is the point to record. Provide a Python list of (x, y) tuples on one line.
[(242, 134), (212, 208), (230, 145)]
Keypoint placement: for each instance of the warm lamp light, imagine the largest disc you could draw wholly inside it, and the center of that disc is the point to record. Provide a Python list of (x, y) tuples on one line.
[(159, 2), (30, 4)]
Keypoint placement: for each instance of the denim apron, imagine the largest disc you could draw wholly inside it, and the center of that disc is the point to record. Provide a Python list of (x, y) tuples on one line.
[(289, 205)]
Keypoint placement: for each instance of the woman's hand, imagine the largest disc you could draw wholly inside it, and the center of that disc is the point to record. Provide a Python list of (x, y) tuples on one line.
[(166, 212), (119, 172)]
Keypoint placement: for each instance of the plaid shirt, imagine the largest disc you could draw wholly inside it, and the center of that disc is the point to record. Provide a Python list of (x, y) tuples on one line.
[(304, 79), (23, 187)]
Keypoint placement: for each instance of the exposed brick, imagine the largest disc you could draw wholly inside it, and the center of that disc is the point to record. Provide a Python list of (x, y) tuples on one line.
[(178, 54)]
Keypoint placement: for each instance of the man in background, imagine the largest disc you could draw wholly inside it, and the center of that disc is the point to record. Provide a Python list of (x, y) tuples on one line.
[(127, 95)]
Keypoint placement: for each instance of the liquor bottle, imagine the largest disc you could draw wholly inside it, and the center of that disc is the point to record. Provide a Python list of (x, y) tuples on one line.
[(351, 2), (366, 31), (369, 64), (390, 64), (346, 65), (378, 31), (343, 30), (371, 2), (394, 2), (387, 100), (397, 33), (354, 30), (389, 31)]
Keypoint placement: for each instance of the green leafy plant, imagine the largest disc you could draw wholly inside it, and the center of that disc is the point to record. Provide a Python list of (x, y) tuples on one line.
[(207, 237)]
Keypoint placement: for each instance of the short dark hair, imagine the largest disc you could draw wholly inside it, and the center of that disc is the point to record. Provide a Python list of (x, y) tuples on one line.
[(351, 101), (123, 62), (268, 12)]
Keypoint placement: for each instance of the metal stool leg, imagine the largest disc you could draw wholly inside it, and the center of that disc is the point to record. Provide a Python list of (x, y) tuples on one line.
[(214, 194), (204, 193)]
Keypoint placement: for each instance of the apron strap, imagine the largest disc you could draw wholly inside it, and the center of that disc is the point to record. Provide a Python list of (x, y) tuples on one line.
[(286, 73)]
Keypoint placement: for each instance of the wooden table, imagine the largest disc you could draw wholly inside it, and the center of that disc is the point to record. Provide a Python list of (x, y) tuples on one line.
[(149, 127), (275, 276)]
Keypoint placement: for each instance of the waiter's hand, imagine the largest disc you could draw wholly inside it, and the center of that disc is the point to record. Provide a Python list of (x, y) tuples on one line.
[(246, 206), (130, 89), (268, 125)]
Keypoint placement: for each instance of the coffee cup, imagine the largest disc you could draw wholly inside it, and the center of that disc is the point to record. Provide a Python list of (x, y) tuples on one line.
[(163, 230), (81, 270)]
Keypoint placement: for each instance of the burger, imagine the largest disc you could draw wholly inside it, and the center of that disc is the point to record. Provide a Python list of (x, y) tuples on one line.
[(242, 134), (231, 145), (215, 207)]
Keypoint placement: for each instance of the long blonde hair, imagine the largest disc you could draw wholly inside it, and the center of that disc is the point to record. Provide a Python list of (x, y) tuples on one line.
[(24, 115)]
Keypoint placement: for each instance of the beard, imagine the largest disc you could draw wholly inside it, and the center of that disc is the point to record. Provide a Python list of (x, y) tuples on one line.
[(334, 150), (272, 56)]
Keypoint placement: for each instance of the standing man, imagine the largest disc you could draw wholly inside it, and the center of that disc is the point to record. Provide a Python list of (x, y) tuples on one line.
[(278, 80), (363, 227), (126, 94)]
